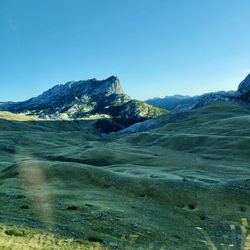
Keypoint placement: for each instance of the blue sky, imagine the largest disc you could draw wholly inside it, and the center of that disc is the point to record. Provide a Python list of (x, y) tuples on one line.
[(155, 47)]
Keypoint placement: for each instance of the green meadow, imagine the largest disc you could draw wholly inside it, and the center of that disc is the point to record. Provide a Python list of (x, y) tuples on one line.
[(183, 185)]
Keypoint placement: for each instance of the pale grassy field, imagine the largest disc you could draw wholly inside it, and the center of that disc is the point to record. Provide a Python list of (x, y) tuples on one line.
[(16, 117), (19, 238), (139, 191)]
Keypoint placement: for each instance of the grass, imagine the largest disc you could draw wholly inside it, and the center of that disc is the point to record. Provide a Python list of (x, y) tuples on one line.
[(16, 117), (245, 243), (152, 187), (245, 238), (95, 117), (20, 238)]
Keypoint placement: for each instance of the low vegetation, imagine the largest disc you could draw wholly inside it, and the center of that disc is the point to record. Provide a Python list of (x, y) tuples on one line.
[(152, 188), (20, 238)]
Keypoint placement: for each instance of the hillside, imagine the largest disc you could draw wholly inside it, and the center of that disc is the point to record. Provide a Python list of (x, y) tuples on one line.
[(16, 117), (139, 190), (85, 99)]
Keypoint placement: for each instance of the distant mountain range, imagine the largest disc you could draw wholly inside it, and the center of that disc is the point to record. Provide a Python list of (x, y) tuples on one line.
[(181, 103), (86, 99), (173, 102)]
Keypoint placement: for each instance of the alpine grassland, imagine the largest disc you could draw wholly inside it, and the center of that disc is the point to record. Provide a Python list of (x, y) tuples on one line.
[(63, 185)]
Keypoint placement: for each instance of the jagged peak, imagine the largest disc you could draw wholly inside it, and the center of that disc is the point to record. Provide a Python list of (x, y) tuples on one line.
[(108, 86), (244, 86), (62, 95), (112, 78)]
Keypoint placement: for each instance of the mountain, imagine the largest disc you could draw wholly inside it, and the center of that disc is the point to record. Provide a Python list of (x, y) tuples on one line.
[(2, 103), (181, 103), (177, 102), (242, 95), (73, 98), (214, 97), (85, 99), (243, 92)]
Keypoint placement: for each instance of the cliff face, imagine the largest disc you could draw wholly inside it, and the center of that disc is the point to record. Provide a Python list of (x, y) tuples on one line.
[(65, 95), (243, 91), (241, 95), (84, 99)]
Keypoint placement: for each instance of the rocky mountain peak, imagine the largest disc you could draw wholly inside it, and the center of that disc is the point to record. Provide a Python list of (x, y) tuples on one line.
[(62, 95), (85, 99), (109, 86), (244, 86), (86, 87)]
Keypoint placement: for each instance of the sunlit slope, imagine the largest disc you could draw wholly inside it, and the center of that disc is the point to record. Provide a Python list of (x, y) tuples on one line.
[(134, 189), (15, 117), (19, 238)]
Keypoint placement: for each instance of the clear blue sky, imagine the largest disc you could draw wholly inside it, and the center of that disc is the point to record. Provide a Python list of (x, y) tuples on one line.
[(155, 47)]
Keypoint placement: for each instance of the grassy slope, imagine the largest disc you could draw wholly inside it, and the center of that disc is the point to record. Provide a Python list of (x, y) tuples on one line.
[(148, 188), (15, 117), (20, 238)]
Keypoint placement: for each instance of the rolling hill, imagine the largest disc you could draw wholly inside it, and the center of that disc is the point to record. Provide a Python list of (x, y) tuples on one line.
[(130, 190)]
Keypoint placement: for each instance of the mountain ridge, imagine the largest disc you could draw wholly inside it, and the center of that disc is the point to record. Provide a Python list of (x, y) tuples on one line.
[(83, 99), (172, 102), (69, 92), (181, 103)]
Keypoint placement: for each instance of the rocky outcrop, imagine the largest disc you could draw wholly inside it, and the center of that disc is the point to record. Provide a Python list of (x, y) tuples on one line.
[(84, 99), (243, 92), (65, 96), (242, 95), (140, 126), (182, 103), (214, 97)]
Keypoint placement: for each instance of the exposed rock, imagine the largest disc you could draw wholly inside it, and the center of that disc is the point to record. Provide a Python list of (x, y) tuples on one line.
[(213, 97), (68, 96), (243, 91), (182, 103), (140, 126), (241, 95), (85, 99)]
